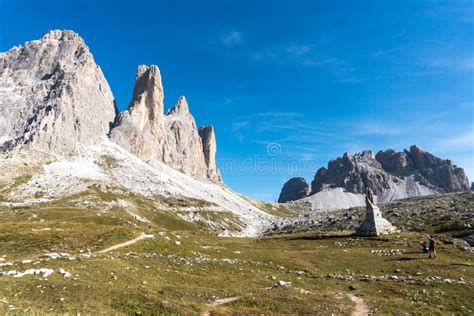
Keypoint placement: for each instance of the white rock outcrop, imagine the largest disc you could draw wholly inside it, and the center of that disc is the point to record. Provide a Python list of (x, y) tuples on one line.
[(53, 95), (172, 138)]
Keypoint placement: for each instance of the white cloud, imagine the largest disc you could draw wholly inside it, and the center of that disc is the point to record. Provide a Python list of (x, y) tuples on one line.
[(282, 53), (298, 50), (233, 38), (237, 126), (460, 142), (233, 99), (458, 63)]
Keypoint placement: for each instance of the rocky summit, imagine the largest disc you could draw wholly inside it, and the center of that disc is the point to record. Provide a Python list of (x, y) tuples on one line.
[(392, 175), (55, 99), (173, 138), (433, 172), (53, 95), (294, 189), (62, 136)]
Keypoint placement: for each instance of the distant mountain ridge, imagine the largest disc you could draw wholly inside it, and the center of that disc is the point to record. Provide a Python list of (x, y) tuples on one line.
[(54, 98), (392, 175)]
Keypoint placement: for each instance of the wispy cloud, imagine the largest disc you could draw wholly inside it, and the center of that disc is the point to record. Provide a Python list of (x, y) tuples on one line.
[(239, 125), (460, 63), (432, 58), (303, 138), (378, 128), (233, 38), (283, 53), (456, 11), (233, 99), (308, 55), (463, 142), (298, 50)]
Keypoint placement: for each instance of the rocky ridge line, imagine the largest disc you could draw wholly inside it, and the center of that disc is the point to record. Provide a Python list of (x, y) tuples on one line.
[(55, 99), (392, 175), (53, 95), (172, 138)]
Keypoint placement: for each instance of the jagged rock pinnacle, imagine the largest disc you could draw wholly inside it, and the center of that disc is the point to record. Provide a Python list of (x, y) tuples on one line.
[(172, 138), (52, 95), (54, 98)]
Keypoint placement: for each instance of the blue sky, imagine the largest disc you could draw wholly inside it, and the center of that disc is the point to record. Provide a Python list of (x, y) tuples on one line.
[(288, 85)]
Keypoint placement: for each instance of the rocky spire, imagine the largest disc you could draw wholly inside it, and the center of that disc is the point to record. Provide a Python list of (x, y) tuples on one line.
[(181, 107), (181, 111), (52, 95), (173, 138), (147, 101), (209, 147)]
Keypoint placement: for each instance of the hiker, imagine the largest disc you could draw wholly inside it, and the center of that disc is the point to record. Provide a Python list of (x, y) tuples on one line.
[(424, 247), (431, 247)]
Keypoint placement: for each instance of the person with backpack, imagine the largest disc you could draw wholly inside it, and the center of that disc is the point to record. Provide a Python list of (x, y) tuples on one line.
[(431, 247)]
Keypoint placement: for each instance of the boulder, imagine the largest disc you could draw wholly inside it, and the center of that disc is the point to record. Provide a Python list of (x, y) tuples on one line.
[(294, 189)]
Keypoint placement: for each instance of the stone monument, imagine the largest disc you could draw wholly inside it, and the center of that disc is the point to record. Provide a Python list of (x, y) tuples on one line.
[(374, 224)]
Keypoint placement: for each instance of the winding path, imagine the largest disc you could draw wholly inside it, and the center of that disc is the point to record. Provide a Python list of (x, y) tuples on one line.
[(127, 243), (361, 308), (216, 303)]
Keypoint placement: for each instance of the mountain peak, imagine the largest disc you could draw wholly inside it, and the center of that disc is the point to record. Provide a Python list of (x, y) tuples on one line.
[(61, 35), (181, 107), (415, 149), (173, 138), (148, 95), (54, 85)]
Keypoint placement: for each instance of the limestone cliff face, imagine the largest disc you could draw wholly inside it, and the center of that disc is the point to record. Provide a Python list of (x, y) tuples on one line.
[(353, 173), (52, 95), (429, 170), (414, 169), (54, 98), (209, 148), (147, 132), (392, 175)]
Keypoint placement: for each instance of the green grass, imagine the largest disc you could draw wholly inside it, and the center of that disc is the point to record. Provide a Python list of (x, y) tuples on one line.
[(277, 209), (109, 162), (158, 276), (21, 180)]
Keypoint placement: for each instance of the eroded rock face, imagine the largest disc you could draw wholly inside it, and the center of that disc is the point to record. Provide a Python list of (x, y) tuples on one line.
[(294, 189), (392, 175), (395, 163), (209, 148), (433, 172), (53, 96), (144, 130), (353, 173)]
